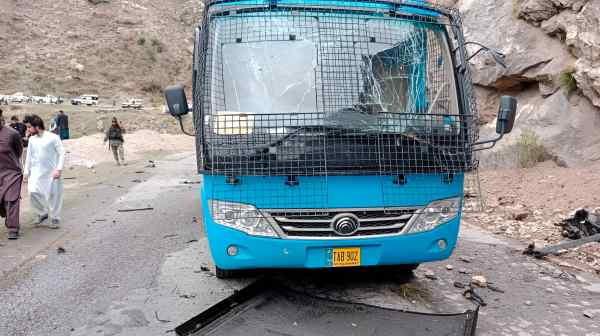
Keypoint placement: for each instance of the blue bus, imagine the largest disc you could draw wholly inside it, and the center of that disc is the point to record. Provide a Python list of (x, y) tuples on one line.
[(333, 133)]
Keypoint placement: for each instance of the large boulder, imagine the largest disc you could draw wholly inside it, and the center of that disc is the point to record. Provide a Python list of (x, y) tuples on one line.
[(531, 55), (566, 127), (577, 23)]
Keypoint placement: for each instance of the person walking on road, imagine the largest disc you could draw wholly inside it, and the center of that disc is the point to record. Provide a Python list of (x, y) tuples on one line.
[(11, 177), (114, 136), (63, 125), (43, 168)]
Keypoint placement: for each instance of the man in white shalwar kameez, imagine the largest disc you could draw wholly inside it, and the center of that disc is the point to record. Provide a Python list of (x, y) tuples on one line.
[(43, 167)]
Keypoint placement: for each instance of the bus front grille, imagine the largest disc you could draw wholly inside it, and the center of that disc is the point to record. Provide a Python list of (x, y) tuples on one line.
[(328, 223)]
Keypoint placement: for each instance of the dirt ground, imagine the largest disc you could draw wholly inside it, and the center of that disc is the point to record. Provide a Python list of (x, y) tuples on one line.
[(544, 195)]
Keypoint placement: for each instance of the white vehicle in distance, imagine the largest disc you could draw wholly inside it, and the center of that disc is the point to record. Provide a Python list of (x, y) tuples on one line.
[(48, 99), (134, 103), (19, 97), (88, 100)]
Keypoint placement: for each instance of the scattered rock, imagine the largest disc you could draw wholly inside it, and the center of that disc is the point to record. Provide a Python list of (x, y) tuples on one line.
[(464, 271), (465, 259), (588, 314), (60, 250), (204, 269), (528, 303), (520, 215), (459, 285), (479, 280), (430, 275), (449, 267)]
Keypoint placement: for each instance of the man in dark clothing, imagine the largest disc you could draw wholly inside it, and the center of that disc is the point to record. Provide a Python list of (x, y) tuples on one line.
[(63, 125), (18, 126), (11, 177)]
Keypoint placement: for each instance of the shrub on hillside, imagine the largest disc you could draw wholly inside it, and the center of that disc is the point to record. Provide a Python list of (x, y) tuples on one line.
[(531, 150)]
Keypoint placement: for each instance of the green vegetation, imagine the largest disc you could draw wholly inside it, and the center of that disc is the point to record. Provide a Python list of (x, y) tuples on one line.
[(567, 80), (531, 150)]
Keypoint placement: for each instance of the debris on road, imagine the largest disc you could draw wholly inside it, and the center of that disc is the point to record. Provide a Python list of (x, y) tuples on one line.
[(465, 259), (135, 209), (159, 319), (582, 226), (139, 172), (169, 236), (430, 275), (558, 248), (582, 223), (589, 314), (479, 280), (61, 250), (191, 182), (449, 267), (136, 181), (472, 295), (150, 164), (459, 285), (494, 289), (204, 269), (191, 241)]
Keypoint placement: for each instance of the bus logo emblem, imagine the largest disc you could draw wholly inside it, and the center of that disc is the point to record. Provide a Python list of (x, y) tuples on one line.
[(345, 224)]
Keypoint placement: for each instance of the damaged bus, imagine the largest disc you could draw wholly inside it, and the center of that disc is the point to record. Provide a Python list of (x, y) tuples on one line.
[(333, 133)]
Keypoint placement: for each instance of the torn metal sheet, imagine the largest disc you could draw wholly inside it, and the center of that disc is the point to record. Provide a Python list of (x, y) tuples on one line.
[(267, 308)]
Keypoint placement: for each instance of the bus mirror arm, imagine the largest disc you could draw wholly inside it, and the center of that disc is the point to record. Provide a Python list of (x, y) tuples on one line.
[(177, 104), (504, 122)]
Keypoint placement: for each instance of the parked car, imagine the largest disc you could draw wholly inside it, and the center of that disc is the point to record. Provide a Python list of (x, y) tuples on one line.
[(19, 97), (134, 103), (88, 100), (48, 99)]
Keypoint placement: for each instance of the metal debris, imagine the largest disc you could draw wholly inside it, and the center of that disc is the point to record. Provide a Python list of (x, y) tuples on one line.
[(135, 209), (159, 319), (582, 223), (472, 295), (557, 249)]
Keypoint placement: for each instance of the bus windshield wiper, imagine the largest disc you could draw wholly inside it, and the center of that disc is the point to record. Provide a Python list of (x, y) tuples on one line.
[(327, 129)]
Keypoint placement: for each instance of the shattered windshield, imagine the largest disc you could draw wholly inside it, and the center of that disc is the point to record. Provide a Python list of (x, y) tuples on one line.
[(385, 75)]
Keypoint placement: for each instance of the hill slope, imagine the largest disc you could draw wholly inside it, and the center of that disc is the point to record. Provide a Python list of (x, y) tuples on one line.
[(115, 48)]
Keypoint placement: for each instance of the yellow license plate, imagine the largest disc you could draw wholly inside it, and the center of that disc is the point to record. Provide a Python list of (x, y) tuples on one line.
[(345, 257)]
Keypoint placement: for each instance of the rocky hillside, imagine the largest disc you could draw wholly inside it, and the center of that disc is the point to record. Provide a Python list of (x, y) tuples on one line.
[(552, 51), (110, 47)]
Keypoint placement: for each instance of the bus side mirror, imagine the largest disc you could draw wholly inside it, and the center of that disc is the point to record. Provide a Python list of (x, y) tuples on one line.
[(506, 114), (176, 100)]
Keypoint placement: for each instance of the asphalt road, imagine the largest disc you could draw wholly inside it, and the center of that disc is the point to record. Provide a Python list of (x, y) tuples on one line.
[(143, 273)]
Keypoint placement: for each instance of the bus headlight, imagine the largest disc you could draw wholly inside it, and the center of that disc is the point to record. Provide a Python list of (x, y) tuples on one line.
[(435, 214), (242, 217)]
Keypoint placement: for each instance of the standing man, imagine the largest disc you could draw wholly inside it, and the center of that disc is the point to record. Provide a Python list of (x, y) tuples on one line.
[(43, 168), (11, 177), (22, 129), (63, 125)]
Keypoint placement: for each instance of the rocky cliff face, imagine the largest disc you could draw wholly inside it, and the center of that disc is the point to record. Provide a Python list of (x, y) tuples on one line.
[(552, 51)]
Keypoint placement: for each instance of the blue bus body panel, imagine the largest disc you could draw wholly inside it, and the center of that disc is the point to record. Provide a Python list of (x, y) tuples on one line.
[(373, 5), (270, 192)]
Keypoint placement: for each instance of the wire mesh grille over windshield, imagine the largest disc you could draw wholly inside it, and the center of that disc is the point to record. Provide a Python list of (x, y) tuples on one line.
[(313, 92)]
